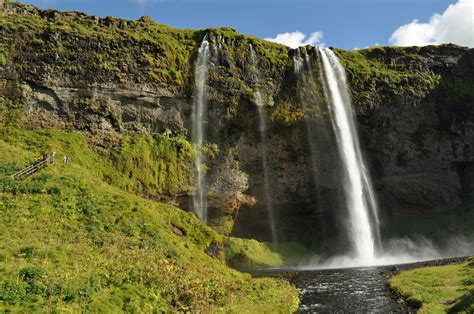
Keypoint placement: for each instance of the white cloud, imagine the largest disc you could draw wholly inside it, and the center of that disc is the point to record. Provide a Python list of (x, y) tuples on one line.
[(297, 39), (143, 3), (454, 25)]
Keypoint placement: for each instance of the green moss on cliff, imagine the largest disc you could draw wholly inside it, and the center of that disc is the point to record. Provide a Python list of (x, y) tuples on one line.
[(12, 111), (121, 51), (155, 166), (375, 73), (287, 114), (250, 254), (272, 54), (109, 50), (456, 92)]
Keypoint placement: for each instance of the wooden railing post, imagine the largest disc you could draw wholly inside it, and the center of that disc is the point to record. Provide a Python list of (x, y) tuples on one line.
[(32, 168)]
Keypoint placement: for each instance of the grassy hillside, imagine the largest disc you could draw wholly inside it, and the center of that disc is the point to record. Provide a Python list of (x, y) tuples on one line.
[(72, 242), (438, 289)]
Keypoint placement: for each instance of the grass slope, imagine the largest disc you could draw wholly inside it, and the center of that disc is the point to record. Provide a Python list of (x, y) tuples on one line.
[(71, 242), (438, 289)]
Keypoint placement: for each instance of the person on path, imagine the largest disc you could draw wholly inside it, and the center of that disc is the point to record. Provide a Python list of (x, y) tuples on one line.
[(65, 159), (53, 157)]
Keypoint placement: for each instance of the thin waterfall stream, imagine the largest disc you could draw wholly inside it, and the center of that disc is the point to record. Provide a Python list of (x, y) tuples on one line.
[(262, 113), (199, 121), (315, 128)]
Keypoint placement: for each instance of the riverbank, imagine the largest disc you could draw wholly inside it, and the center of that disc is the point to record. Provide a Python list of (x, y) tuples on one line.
[(445, 285)]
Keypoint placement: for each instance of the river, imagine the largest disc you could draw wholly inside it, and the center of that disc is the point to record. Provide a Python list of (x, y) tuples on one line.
[(349, 290)]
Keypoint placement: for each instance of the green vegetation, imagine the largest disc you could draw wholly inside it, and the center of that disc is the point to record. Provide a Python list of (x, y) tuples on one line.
[(223, 224), (250, 254), (456, 92), (287, 114), (247, 254), (73, 242), (12, 112), (273, 55), (387, 71), (438, 289), (115, 49), (155, 167), (124, 51), (294, 253), (137, 55), (89, 235)]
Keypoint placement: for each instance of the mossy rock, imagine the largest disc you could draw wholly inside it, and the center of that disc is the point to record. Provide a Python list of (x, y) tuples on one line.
[(250, 254)]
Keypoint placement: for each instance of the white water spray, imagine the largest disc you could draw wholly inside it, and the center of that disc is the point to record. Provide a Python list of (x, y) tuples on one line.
[(199, 119), (359, 197)]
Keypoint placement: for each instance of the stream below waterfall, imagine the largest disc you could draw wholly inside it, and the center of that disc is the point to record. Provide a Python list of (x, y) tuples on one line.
[(349, 290)]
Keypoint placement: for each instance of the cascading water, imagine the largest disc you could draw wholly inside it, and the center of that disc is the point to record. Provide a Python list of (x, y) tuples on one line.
[(298, 62), (263, 138), (199, 115), (359, 197), (266, 177)]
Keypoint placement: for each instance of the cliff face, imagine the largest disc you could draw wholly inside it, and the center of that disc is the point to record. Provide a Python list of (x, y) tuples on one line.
[(112, 78), (421, 148)]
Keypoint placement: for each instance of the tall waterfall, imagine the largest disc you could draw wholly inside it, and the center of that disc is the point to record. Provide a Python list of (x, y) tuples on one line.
[(199, 120), (262, 113), (359, 196)]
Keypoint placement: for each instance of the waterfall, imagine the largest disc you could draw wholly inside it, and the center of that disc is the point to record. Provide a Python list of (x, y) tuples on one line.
[(359, 196), (262, 113), (253, 57), (266, 177), (199, 120), (298, 62)]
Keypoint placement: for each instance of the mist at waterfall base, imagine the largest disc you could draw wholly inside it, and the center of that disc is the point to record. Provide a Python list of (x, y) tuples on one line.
[(409, 249)]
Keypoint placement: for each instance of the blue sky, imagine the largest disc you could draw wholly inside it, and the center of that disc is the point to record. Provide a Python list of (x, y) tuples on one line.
[(343, 23)]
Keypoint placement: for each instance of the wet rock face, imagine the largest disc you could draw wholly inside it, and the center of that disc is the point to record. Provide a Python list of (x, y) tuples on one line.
[(415, 111), (420, 155), (415, 167), (112, 109)]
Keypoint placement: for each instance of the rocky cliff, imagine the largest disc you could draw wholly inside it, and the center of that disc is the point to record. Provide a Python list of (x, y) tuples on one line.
[(116, 78)]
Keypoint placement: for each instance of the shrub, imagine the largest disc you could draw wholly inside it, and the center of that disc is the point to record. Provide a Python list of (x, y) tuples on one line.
[(12, 292), (29, 274)]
